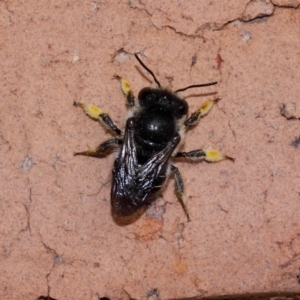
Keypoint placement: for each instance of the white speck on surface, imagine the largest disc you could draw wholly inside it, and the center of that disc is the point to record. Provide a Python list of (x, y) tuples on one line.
[(95, 6), (246, 35), (27, 163), (122, 56), (75, 58)]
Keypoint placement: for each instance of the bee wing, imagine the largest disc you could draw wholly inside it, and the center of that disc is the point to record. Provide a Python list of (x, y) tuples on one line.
[(152, 174), (133, 184)]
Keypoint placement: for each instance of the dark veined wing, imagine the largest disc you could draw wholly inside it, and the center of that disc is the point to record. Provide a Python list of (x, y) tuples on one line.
[(134, 184)]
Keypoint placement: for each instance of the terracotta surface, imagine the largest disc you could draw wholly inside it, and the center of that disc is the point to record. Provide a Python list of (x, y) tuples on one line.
[(57, 235)]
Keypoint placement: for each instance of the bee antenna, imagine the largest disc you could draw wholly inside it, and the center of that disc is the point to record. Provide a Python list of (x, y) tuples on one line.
[(146, 68), (196, 85)]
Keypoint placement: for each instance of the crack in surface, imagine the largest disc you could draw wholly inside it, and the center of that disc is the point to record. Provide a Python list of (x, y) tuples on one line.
[(26, 206), (57, 259), (254, 10)]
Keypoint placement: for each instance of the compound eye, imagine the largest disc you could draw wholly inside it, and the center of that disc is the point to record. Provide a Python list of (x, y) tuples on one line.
[(147, 97), (184, 108)]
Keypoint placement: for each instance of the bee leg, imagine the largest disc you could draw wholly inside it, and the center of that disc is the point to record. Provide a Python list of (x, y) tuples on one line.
[(96, 113), (209, 155), (102, 149), (200, 112), (179, 187), (126, 89)]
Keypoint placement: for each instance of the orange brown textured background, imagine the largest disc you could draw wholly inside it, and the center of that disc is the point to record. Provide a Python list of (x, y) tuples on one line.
[(57, 235)]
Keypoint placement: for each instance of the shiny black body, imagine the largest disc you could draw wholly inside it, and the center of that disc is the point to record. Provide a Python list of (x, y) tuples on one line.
[(151, 136), (153, 133)]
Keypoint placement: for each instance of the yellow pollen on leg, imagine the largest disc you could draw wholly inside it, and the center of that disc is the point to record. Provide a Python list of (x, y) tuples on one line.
[(206, 107), (214, 155), (125, 85), (92, 110)]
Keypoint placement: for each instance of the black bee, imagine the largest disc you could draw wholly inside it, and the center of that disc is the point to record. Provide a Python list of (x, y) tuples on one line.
[(153, 134)]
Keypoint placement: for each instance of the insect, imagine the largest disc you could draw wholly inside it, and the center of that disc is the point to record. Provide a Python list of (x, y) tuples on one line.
[(153, 135)]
